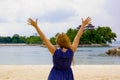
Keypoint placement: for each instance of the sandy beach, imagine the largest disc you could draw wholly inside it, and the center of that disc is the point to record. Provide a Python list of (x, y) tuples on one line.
[(41, 72)]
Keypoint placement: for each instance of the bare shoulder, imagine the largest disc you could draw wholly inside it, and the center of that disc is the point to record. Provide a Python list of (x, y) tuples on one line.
[(52, 50), (73, 49)]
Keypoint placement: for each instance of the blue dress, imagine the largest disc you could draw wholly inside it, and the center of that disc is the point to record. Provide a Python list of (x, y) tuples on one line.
[(62, 65)]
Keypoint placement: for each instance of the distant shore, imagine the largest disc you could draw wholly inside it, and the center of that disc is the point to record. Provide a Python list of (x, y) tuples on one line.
[(93, 45), (13, 44), (81, 45)]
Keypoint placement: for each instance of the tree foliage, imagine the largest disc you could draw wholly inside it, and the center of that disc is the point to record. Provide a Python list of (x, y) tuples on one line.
[(71, 33), (100, 35), (106, 34), (5, 39), (18, 39), (21, 39), (52, 40), (34, 40)]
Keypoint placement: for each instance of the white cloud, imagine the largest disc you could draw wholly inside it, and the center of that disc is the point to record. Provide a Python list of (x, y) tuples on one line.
[(52, 14), (59, 15)]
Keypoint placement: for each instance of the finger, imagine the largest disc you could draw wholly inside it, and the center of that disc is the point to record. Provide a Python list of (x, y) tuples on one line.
[(28, 23), (82, 19), (29, 20), (89, 18), (36, 20)]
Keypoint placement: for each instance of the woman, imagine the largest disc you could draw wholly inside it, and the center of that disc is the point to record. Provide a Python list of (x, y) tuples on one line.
[(62, 57)]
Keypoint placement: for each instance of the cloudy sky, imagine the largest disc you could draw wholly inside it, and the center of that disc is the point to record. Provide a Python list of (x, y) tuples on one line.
[(56, 15)]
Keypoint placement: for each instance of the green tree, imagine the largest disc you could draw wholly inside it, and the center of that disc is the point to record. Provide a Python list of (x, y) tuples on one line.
[(71, 33), (52, 40), (106, 34), (18, 39), (23, 39), (15, 38), (86, 37), (5, 39), (34, 40), (100, 35)]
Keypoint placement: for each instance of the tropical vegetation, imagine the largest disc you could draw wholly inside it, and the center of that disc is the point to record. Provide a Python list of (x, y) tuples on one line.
[(99, 35)]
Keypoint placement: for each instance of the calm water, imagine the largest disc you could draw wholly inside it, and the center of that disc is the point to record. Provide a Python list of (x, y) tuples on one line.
[(34, 55)]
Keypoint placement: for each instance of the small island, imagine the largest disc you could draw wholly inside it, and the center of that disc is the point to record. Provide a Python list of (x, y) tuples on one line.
[(92, 36)]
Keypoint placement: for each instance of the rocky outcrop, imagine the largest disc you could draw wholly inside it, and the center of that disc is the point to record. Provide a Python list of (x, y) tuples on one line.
[(114, 51)]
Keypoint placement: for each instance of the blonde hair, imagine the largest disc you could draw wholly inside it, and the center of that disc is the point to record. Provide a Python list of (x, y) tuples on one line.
[(63, 41)]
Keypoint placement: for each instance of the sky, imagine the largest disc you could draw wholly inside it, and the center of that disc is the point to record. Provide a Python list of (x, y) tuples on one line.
[(56, 15)]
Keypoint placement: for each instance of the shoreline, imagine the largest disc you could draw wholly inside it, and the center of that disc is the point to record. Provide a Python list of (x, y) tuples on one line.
[(41, 72), (81, 45)]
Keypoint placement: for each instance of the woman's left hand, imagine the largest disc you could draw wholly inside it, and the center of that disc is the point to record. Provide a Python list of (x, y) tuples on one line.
[(86, 21), (32, 22)]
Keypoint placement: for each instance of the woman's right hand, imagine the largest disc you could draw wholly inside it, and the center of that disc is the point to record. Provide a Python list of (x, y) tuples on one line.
[(32, 22)]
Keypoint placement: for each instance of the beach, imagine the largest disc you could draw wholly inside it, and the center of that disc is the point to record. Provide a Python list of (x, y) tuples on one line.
[(41, 72)]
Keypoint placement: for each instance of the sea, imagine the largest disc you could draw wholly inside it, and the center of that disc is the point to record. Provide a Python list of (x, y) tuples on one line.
[(37, 55)]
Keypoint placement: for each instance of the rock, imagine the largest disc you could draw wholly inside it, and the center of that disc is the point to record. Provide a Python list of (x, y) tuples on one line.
[(118, 52), (119, 47), (114, 52)]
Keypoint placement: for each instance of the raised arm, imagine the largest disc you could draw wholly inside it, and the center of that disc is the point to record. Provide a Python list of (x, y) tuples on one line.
[(48, 44), (80, 32)]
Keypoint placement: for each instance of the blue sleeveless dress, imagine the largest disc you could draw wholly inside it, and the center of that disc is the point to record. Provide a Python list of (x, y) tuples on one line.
[(62, 65)]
